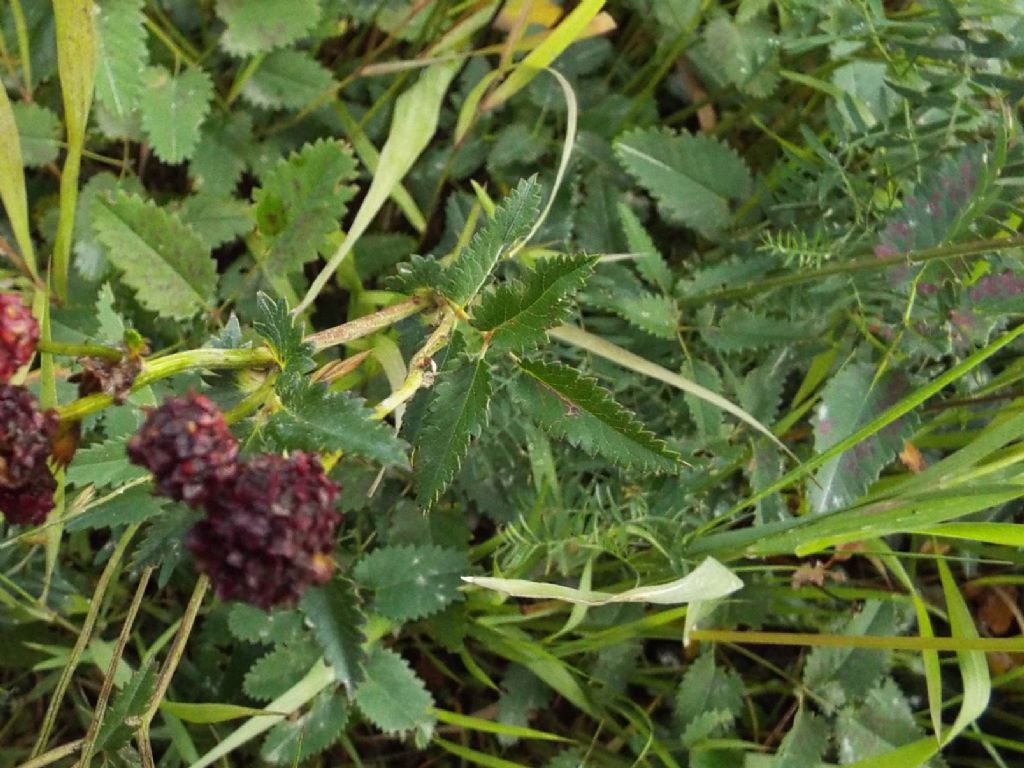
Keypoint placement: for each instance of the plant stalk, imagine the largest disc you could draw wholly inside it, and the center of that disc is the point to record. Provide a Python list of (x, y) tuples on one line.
[(79, 350)]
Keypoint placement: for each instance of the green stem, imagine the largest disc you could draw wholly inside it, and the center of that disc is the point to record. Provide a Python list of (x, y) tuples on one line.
[(83, 639), (887, 642), (243, 77), (367, 324), (167, 671), (80, 350), (108, 681), (975, 248), (21, 30), (417, 367), (171, 365)]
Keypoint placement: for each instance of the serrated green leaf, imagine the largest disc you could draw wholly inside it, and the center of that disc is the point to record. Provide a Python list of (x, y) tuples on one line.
[(163, 261), (704, 725), (129, 702), (163, 543), (301, 201), (291, 741), (656, 314), (741, 329), (706, 686), (391, 696), (649, 261), (849, 401), (90, 259), (745, 53), (805, 744), (287, 79), (517, 315), (337, 622), (101, 465), (261, 27), (283, 333), (571, 406), (412, 582), (135, 505), (39, 130), (173, 110), (501, 233), (254, 625), (883, 722), (693, 178), (277, 671), (312, 418), (841, 675), (220, 156), (217, 220), (456, 414), (122, 55)]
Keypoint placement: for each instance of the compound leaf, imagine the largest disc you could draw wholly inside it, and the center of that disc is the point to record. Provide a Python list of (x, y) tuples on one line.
[(517, 314), (510, 223)]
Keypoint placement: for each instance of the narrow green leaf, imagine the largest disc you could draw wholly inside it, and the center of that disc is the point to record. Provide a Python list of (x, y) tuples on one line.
[(501, 233), (571, 406), (213, 712), (412, 126), (163, 260), (12, 181), (517, 315), (456, 414), (283, 333)]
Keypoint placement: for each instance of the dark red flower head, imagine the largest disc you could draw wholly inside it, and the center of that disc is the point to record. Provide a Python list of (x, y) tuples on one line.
[(26, 432), (19, 334), (187, 446), (269, 531)]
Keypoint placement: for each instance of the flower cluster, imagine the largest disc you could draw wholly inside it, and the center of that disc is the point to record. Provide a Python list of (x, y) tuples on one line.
[(26, 431), (269, 521)]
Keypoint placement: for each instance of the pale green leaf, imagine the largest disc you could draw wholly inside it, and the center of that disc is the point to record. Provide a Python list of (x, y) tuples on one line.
[(173, 110), (456, 414), (412, 582), (412, 126), (162, 259), (12, 181), (708, 581), (288, 79), (122, 56), (254, 625), (391, 696), (259, 27), (102, 465), (745, 53), (39, 131), (217, 220), (693, 178), (213, 712)]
